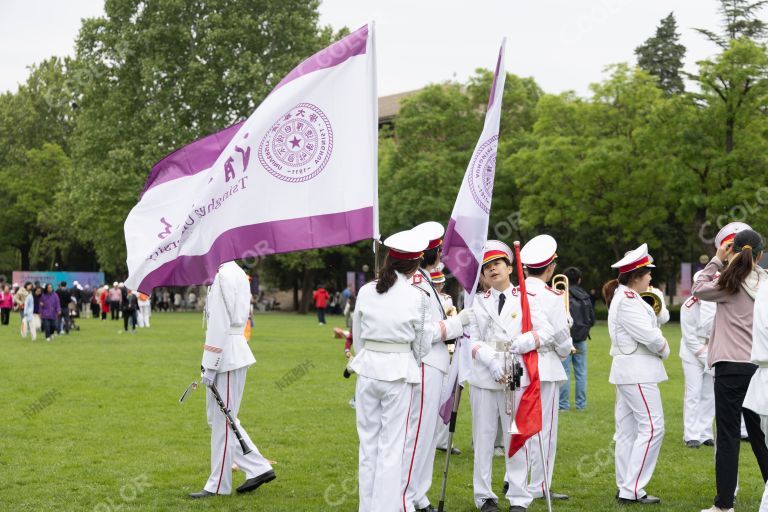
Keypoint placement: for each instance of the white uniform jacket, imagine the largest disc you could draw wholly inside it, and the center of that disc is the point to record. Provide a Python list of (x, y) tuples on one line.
[(552, 306), (438, 356), (227, 308), (637, 344), (757, 395), (696, 317), (493, 329), (393, 331)]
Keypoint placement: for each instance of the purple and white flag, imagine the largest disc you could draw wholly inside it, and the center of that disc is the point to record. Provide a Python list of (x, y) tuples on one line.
[(299, 173), (468, 228)]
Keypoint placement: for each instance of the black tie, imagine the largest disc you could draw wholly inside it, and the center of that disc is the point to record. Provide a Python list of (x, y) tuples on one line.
[(502, 300)]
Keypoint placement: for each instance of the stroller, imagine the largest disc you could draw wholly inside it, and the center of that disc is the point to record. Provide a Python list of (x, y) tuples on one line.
[(73, 313)]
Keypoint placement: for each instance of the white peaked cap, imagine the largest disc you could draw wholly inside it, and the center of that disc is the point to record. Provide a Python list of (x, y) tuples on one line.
[(539, 252), (634, 259)]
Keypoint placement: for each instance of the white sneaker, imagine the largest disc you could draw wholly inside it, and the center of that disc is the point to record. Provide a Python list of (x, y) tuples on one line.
[(715, 508)]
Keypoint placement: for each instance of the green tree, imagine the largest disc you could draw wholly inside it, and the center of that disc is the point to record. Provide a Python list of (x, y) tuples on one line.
[(153, 76), (662, 56), (740, 19)]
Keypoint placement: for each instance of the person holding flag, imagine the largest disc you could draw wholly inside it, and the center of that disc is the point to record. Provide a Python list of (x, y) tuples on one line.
[(226, 358), (392, 332), (638, 348), (419, 459), (498, 329), (539, 257)]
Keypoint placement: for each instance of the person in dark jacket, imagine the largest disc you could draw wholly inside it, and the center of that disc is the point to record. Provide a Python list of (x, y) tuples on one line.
[(130, 310), (64, 297), (583, 315)]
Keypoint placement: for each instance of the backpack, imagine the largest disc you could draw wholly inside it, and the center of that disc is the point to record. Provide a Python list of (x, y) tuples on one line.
[(582, 313)]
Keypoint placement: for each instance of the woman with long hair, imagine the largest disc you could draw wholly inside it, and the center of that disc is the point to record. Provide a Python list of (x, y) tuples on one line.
[(50, 308), (392, 331), (638, 348), (729, 353)]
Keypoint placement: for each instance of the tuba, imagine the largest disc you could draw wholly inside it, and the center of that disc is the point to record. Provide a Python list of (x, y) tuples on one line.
[(652, 300), (560, 282)]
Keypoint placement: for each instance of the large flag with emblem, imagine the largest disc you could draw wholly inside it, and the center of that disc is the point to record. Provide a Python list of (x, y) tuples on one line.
[(468, 227), (299, 173)]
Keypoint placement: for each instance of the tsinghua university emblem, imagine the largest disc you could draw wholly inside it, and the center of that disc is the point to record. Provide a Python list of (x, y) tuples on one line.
[(481, 173), (298, 145)]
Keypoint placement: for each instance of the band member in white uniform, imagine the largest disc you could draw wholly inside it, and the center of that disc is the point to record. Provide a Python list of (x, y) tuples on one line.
[(539, 258), (392, 332), (441, 432), (498, 330), (756, 398), (226, 358), (638, 348), (696, 317), (419, 455)]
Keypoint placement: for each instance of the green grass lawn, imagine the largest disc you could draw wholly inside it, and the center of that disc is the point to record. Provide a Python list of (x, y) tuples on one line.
[(110, 435)]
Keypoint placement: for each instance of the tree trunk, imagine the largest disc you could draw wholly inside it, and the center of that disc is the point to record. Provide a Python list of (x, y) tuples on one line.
[(306, 291), (730, 127), (24, 250), (296, 295)]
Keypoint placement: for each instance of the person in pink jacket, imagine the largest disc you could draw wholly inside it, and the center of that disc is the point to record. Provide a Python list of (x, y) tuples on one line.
[(6, 304), (729, 353)]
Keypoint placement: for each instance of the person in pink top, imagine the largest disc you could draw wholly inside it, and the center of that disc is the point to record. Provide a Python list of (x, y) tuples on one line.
[(739, 249), (6, 304)]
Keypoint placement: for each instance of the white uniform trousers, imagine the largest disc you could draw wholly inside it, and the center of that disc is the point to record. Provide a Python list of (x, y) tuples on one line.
[(422, 424), (550, 397), (639, 432), (488, 406), (441, 435), (699, 403), (145, 311), (381, 409), (225, 449)]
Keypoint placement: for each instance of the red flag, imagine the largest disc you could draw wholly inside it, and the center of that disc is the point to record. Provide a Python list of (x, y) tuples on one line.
[(528, 416)]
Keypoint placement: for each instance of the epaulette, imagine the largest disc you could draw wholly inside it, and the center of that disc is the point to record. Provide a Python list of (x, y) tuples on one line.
[(556, 292), (487, 294), (691, 301), (417, 278), (515, 291), (630, 294)]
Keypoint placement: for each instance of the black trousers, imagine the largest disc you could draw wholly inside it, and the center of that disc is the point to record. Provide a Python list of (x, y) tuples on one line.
[(731, 383), (5, 315)]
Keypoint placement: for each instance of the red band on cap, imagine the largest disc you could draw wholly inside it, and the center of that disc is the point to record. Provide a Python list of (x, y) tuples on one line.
[(542, 264), (437, 242), (405, 255), (436, 276), (646, 260), (493, 255), (728, 238)]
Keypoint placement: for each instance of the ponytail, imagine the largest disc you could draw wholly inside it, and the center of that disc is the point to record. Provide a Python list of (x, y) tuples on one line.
[(388, 274), (609, 288), (747, 245)]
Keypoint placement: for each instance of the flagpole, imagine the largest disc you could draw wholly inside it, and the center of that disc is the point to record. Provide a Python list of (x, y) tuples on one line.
[(449, 448)]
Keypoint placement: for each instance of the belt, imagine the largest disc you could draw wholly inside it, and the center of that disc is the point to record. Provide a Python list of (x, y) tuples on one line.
[(381, 346)]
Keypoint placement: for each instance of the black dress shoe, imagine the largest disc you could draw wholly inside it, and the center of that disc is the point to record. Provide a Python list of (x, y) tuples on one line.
[(428, 508), (505, 488), (253, 483), (489, 505), (709, 442), (517, 508), (201, 494), (645, 500), (692, 444)]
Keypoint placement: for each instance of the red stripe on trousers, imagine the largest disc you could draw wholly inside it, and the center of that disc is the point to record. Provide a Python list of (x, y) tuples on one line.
[(648, 410), (226, 439), (415, 441)]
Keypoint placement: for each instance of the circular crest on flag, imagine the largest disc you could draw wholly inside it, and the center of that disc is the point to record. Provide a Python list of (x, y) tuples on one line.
[(481, 173), (298, 145)]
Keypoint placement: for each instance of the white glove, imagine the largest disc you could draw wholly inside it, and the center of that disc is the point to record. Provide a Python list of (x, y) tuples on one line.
[(665, 353), (523, 343), (467, 316), (209, 376), (496, 372)]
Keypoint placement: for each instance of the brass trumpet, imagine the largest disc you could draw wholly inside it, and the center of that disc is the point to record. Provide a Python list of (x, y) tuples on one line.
[(652, 300), (560, 282)]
